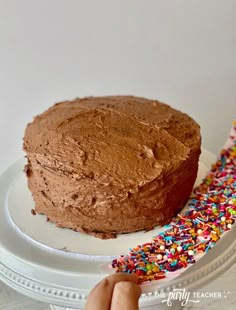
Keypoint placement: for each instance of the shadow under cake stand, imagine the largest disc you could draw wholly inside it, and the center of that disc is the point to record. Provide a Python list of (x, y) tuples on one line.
[(60, 267)]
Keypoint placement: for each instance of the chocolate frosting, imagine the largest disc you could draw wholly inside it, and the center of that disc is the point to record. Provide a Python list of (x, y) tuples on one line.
[(108, 165)]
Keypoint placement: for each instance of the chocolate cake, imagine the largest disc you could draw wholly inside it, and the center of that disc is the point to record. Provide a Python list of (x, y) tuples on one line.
[(111, 165)]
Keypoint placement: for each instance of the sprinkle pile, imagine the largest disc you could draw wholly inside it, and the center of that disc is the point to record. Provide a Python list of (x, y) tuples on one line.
[(210, 212)]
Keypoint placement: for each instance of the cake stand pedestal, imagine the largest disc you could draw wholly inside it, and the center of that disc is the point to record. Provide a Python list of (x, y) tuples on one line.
[(64, 279), (175, 306)]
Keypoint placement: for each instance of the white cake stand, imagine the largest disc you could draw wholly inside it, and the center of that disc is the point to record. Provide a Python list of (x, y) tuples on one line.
[(32, 262)]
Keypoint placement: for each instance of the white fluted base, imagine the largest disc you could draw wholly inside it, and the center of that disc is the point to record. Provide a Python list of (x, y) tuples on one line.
[(62, 308), (175, 306)]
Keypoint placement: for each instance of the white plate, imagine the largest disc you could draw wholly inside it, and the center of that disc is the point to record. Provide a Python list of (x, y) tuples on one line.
[(31, 260), (20, 203)]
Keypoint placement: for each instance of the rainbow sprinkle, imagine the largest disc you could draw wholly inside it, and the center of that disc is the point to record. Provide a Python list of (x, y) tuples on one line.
[(211, 212)]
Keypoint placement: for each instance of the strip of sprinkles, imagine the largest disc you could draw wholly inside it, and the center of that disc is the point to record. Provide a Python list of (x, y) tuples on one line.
[(211, 212)]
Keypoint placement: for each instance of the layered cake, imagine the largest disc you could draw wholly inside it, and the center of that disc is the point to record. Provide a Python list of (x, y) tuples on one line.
[(111, 165)]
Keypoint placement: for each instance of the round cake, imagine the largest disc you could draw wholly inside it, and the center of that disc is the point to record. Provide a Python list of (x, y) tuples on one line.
[(111, 165)]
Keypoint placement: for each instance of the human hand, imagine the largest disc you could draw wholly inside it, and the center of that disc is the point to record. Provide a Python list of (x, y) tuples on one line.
[(119, 291)]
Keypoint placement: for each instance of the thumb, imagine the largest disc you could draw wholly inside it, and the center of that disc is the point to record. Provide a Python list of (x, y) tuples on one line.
[(125, 296)]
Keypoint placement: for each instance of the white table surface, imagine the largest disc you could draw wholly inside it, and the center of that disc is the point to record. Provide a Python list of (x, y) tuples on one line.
[(181, 52)]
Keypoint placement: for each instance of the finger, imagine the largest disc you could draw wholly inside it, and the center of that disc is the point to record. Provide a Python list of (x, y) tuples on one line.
[(101, 295), (125, 296)]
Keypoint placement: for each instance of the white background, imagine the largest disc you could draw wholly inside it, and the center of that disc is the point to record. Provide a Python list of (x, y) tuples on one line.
[(179, 51)]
